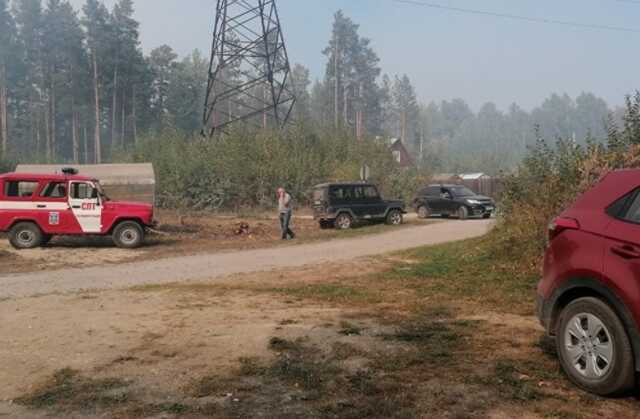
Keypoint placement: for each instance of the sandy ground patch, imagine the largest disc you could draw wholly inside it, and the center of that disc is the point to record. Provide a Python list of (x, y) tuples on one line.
[(305, 342)]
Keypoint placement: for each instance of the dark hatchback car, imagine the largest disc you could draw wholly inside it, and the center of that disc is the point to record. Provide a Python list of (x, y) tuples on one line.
[(340, 205), (456, 200), (589, 295)]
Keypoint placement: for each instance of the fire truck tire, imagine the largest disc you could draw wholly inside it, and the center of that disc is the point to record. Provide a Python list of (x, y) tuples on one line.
[(25, 236), (128, 235)]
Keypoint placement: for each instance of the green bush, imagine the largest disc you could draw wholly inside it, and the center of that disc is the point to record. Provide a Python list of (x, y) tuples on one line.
[(550, 178), (244, 168)]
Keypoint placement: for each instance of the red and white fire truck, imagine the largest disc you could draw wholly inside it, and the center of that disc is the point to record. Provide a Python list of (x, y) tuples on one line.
[(36, 207)]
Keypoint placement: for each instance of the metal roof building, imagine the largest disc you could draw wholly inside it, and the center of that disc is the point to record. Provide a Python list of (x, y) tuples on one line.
[(127, 182)]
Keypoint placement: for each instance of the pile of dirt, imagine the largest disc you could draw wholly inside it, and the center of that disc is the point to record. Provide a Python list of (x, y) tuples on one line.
[(4, 254)]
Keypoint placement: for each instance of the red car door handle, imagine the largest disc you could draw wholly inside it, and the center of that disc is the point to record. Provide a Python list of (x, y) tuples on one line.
[(626, 252)]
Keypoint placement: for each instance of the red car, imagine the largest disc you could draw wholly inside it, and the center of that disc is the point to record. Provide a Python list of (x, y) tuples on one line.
[(589, 296), (36, 207)]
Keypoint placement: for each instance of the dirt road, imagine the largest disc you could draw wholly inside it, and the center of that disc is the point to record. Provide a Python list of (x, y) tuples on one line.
[(211, 266)]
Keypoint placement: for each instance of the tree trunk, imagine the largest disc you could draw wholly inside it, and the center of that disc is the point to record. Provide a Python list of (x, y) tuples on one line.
[(35, 130), (133, 116), (74, 131), (114, 109), (96, 92), (336, 76), (345, 109), (123, 121), (403, 127), (86, 143), (47, 130), (264, 114), (52, 116), (4, 132)]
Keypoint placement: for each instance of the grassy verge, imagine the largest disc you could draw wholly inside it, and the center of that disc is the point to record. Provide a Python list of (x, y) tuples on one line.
[(460, 272)]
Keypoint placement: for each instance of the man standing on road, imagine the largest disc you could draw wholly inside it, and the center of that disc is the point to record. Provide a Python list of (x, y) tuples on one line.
[(285, 211)]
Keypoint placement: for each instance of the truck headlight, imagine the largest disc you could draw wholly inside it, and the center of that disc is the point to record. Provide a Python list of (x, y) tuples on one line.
[(473, 202)]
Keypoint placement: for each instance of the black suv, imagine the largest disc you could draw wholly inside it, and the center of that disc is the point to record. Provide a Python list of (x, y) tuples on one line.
[(447, 200), (339, 205)]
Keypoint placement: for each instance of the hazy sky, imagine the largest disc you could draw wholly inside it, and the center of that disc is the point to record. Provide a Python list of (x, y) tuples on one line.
[(446, 54)]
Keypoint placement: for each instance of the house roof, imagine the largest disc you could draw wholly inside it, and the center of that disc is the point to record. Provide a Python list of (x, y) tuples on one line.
[(107, 174), (444, 176)]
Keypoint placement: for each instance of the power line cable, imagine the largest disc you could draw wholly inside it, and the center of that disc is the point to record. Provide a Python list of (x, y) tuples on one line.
[(520, 17)]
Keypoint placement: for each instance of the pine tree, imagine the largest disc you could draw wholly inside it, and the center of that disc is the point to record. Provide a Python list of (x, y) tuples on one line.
[(162, 62), (96, 22), (125, 54), (186, 91), (8, 39), (300, 79), (32, 114), (351, 74), (407, 110)]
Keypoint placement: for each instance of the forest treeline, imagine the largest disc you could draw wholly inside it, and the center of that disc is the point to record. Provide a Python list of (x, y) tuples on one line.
[(76, 86)]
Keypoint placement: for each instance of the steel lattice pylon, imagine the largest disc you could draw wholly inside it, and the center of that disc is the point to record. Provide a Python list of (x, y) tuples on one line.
[(249, 70)]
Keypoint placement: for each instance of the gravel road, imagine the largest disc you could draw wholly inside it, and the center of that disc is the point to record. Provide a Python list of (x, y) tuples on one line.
[(210, 266)]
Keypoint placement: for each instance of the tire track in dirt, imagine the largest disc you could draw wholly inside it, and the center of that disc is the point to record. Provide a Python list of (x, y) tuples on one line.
[(211, 266)]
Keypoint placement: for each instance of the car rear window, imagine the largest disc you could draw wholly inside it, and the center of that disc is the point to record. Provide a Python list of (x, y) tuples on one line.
[(432, 191), (627, 208), (20, 188)]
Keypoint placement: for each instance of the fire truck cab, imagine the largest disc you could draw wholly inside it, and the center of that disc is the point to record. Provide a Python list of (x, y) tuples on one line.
[(36, 207)]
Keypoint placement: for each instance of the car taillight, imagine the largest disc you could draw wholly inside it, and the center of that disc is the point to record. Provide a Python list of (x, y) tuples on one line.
[(561, 224)]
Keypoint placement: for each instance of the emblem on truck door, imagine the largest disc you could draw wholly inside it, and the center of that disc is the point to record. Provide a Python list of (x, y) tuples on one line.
[(54, 218)]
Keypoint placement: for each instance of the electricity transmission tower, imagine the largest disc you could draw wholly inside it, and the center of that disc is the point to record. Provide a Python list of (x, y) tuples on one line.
[(249, 74)]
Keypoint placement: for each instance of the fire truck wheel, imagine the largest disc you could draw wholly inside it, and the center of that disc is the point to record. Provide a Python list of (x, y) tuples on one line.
[(25, 236), (128, 235)]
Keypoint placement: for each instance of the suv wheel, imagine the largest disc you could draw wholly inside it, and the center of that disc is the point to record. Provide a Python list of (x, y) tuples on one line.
[(343, 221), (424, 212), (25, 236), (128, 235), (463, 213), (594, 348), (394, 218)]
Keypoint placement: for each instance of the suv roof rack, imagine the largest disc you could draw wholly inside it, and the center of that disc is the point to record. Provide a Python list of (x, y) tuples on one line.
[(69, 171)]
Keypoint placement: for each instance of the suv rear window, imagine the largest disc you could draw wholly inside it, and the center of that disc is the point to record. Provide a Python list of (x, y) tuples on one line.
[(20, 189), (370, 192), (627, 208), (431, 191), (341, 192)]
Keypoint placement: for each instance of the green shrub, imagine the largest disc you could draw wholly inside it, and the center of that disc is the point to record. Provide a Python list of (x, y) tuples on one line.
[(550, 178), (244, 168)]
